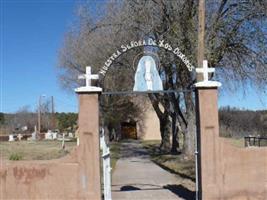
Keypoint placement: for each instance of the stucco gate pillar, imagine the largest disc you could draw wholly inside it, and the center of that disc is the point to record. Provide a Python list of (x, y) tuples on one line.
[(88, 122), (207, 131)]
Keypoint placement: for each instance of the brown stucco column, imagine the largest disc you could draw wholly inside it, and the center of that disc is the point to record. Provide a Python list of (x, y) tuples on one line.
[(207, 123), (224, 171), (207, 132), (88, 153)]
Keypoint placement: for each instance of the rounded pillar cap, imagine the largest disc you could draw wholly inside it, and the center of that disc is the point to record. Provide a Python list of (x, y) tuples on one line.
[(88, 89)]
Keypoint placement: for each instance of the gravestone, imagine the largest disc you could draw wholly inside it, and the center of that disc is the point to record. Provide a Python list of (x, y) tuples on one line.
[(63, 141), (19, 137), (71, 135), (54, 135), (33, 136), (11, 138), (49, 135)]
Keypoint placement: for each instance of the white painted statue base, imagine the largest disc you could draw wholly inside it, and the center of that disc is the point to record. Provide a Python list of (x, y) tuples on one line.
[(88, 89)]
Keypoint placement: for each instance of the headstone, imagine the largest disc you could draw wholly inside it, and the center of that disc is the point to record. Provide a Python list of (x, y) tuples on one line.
[(19, 137), (147, 77), (71, 135), (11, 138), (78, 141), (54, 135), (49, 135), (33, 136), (63, 141)]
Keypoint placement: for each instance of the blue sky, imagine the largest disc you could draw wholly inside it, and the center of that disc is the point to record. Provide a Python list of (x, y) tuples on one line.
[(32, 32), (31, 35), (252, 98)]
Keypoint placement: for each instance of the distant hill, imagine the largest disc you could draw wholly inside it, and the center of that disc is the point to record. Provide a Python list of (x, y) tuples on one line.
[(235, 122)]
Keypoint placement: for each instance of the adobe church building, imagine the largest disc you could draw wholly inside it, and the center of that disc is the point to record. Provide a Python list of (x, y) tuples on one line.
[(146, 129)]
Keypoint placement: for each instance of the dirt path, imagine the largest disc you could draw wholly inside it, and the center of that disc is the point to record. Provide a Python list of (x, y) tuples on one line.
[(138, 178)]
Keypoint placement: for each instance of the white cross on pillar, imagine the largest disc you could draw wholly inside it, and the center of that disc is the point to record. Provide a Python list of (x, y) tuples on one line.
[(88, 76), (205, 71)]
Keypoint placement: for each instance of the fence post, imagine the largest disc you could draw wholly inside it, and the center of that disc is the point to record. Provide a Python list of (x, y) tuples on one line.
[(106, 166)]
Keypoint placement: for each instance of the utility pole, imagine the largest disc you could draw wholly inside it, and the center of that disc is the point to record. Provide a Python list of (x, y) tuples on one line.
[(201, 36), (53, 113), (200, 59), (39, 115)]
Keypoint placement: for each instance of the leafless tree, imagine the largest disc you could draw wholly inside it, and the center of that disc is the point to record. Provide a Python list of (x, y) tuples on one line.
[(22, 118), (235, 45)]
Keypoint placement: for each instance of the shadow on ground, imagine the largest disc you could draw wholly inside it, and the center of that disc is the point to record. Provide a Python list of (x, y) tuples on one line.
[(181, 191), (129, 188), (183, 175), (130, 148), (133, 149), (185, 168), (178, 190)]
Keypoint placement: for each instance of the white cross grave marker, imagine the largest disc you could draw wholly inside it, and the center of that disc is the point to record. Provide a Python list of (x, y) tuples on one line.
[(19, 137), (88, 76), (11, 138), (205, 71)]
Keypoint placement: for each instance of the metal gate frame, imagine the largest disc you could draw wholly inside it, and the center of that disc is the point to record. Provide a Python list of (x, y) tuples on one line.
[(106, 154)]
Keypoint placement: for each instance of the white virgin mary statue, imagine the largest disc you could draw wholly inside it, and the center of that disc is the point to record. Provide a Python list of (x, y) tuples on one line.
[(147, 77)]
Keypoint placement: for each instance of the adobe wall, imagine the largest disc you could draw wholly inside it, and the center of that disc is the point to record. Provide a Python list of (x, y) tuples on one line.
[(149, 129), (55, 179), (227, 172), (242, 171), (76, 176)]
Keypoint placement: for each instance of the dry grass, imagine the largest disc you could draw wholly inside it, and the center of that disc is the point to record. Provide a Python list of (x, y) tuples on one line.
[(114, 154), (176, 164), (34, 150), (46, 150), (237, 142)]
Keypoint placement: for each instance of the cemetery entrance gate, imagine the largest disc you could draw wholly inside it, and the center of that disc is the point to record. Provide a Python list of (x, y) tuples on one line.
[(147, 80), (224, 172)]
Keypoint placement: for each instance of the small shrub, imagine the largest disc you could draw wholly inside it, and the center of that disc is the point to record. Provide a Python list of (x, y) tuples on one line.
[(15, 156)]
